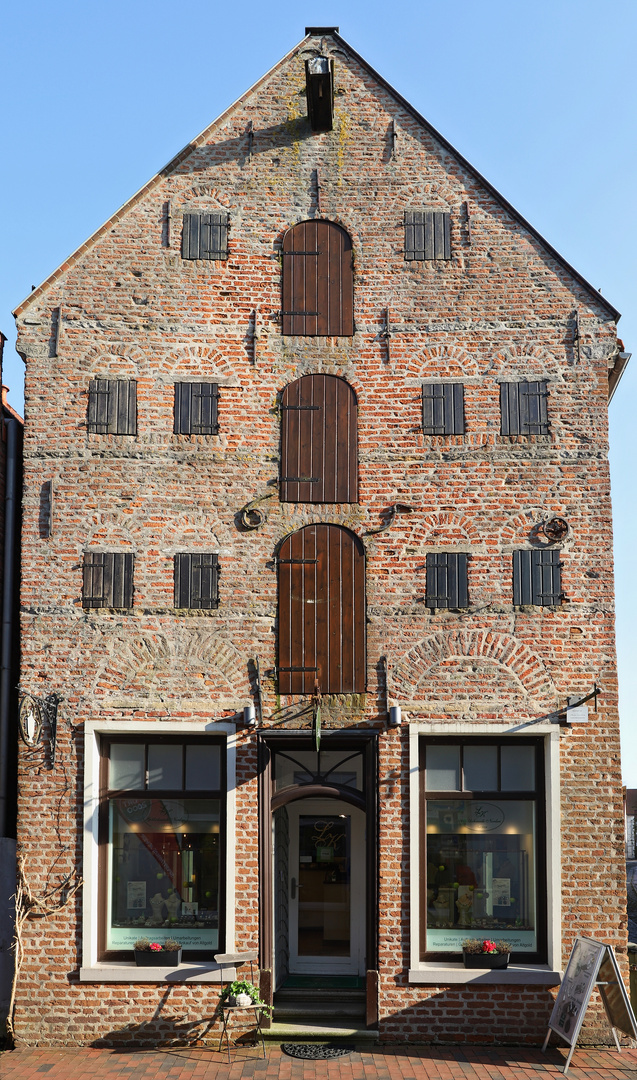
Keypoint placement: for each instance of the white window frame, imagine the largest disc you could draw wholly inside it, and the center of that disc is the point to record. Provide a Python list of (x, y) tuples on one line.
[(438, 973), (92, 969)]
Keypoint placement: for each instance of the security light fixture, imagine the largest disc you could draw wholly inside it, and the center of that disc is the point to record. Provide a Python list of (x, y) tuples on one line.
[(395, 716)]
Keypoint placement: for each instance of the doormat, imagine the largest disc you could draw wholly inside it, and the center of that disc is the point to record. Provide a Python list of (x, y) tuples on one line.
[(326, 982), (317, 1051)]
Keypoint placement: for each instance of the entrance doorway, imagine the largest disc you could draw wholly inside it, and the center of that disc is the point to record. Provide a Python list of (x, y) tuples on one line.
[(318, 868), (325, 884)]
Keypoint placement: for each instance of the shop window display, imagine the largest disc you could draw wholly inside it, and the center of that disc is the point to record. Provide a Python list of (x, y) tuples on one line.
[(482, 853), (162, 823)]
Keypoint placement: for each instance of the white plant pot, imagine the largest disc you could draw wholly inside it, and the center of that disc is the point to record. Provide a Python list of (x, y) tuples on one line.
[(243, 999)]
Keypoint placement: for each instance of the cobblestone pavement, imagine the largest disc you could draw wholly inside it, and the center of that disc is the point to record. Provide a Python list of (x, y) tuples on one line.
[(369, 1063)]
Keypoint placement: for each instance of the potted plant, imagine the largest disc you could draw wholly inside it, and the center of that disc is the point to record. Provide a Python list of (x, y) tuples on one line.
[(241, 993), (485, 954), (156, 954)]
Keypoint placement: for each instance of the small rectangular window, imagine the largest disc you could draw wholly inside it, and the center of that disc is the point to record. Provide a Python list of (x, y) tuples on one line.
[(112, 407), (107, 579), (446, 585), (523, 408), (196, 408), (443, 409), (205, 236), (196, 581), (427, 234), (164, 767), (537, 577)]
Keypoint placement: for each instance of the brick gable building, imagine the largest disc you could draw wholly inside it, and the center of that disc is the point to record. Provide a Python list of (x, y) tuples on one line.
[(323, 427)]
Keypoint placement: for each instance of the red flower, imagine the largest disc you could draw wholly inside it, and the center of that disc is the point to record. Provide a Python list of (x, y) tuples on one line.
[(155, 947), (487, 947)]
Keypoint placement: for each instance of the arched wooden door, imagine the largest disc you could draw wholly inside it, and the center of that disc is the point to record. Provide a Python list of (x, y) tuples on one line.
[(319, 441), (322, 611), (318, 280)]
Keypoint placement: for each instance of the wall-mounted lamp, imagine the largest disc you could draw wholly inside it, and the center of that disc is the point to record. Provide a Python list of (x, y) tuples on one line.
[(30, 720), (249, 716), (395, 716)]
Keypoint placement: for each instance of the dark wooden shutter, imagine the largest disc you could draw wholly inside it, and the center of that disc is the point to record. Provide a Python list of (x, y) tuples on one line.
[(205, 236), (98, 405), (197, 580), (322, 611), (318, 280), (112, 407), (537, 577), (427, 234), (447, 580), (319, 441), (523, 408), (196, 408), (443, 409), (108, 579)]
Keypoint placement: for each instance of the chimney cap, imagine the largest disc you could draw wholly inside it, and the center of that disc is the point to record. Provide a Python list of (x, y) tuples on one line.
[(318, 31)]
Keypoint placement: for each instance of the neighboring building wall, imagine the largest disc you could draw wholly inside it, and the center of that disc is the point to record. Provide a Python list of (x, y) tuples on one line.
[(10, 483), (502, 308)]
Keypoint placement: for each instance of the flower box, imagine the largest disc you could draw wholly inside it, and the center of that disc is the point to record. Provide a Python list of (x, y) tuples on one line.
[(490, 961), (161, 958)]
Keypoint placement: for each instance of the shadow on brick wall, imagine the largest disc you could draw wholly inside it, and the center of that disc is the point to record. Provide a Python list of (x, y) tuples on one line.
[(164, 1028)]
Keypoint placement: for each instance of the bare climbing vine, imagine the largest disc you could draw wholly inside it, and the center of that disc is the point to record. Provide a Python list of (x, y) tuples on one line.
[(28, 906)]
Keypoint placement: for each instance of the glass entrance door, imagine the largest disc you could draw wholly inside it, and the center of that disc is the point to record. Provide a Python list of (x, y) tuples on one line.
[(326, 887)]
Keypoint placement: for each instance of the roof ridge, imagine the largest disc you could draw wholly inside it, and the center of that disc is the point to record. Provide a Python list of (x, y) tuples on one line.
[(203, 135)]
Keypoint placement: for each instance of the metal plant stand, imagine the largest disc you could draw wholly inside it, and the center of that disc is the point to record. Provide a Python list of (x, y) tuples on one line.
[(228, 1010)]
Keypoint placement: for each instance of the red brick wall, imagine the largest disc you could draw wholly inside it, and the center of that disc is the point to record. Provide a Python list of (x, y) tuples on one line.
[(501, 308)]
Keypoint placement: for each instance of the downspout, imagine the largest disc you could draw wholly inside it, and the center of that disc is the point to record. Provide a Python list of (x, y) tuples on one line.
[(7, 614)]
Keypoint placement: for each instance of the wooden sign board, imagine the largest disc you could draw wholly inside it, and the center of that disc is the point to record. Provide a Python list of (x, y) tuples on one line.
[(591, 964)]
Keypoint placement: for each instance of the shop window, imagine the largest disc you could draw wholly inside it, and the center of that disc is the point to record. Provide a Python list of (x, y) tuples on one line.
[(162, 830), (319, 441), (482, 855)]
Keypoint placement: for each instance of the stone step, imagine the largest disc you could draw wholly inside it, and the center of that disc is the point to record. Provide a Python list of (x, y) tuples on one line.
[(307, 1010), (297, 1032), (336, 997)]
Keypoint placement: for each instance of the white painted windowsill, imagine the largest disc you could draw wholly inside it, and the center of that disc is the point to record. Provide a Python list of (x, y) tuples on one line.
[(440, 974), (128, 972)]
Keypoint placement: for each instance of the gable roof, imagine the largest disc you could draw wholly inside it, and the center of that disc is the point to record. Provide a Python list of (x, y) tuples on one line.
[(203, 137)]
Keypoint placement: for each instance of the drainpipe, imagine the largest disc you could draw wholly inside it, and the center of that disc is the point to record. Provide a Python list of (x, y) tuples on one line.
[(7, 613)]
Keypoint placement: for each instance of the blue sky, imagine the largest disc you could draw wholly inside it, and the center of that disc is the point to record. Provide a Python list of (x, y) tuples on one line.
[(539, 96)]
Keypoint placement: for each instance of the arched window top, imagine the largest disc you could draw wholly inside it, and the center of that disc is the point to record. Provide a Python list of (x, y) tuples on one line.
[(319, 441), (322, 611), (318, 280)]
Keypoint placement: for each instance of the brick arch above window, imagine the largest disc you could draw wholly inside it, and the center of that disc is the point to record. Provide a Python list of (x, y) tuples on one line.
[(317, 280), (319, 441), (410, 674), (322, 611)]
